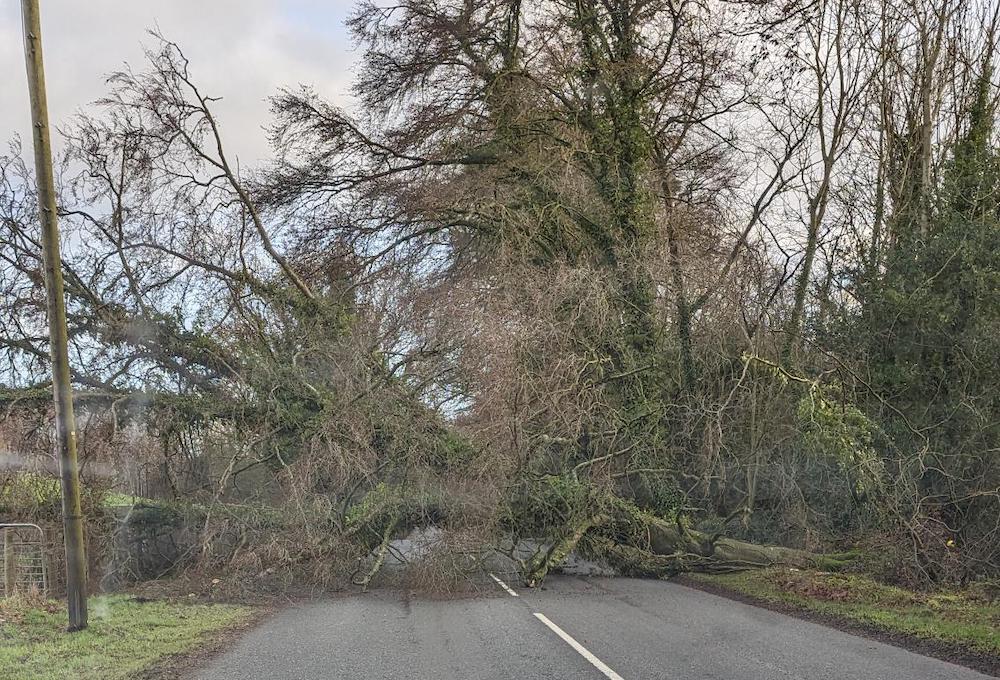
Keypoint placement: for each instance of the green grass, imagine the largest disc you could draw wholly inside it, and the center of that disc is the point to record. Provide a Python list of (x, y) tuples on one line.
[(124, 638), (964, 618)]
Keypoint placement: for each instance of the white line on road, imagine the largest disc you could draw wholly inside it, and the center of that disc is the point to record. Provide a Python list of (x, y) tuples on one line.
[(510, 591), (583, 651)]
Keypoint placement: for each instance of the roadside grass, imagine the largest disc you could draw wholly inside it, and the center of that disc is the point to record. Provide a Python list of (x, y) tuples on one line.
[(966, 618), (126, 636)]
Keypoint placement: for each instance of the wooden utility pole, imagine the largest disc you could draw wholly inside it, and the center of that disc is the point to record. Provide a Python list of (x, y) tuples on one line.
[(76, 558)]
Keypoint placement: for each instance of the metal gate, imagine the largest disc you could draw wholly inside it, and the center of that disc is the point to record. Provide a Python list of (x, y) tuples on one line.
[(22, 555)]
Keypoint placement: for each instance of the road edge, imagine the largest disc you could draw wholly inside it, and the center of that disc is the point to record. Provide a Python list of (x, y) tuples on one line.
[(184, 665), (953, 653)]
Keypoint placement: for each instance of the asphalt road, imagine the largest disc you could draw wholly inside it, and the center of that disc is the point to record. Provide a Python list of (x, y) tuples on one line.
[(618, 629)]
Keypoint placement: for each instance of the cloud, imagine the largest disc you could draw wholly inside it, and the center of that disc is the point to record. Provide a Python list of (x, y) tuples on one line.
[(241, 50)]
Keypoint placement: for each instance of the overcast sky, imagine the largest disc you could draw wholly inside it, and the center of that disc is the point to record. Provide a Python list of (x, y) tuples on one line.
[(241, 50)]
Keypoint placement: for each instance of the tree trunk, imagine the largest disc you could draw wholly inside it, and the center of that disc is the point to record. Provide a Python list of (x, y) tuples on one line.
[(656, 547)]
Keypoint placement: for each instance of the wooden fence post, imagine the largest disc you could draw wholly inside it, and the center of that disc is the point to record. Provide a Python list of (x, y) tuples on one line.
[(9, 563)]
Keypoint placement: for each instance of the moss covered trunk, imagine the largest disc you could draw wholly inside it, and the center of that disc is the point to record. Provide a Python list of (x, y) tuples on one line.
[(640, 544)]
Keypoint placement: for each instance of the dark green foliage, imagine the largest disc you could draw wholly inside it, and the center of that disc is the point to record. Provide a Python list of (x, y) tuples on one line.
[(933, 322), (543, 507)]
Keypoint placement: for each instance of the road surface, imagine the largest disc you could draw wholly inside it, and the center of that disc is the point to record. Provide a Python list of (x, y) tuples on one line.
[(573, 628)]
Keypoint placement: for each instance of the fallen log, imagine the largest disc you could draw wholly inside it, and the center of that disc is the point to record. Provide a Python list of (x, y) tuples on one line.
[(638, 543)]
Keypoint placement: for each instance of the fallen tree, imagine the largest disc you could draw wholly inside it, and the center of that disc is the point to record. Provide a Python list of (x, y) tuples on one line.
[(614, 531), (669, 548)]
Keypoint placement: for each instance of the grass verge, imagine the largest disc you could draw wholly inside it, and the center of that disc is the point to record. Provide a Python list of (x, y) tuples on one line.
[(964, 621), (126, 636)]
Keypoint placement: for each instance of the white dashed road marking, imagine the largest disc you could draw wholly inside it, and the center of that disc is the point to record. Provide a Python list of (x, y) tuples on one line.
[(510, 591), (566, 637), (581, 650)]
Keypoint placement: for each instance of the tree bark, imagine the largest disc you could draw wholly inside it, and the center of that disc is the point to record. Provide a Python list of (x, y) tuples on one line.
[(668, 548)]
